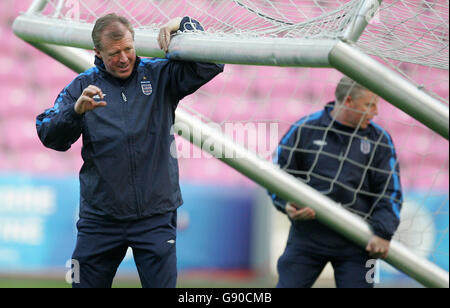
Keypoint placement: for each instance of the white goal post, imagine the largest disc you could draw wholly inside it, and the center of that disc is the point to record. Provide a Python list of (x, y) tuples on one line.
[(339, 49)]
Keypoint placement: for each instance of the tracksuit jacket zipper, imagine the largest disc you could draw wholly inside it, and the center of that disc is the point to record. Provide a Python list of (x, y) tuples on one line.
[(130, 144)]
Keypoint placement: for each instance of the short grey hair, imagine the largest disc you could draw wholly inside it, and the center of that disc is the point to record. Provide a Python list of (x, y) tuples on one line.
[(348, 87), (103, 22)]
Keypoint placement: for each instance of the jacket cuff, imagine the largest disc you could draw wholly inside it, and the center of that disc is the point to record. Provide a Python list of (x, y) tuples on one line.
[(280, 205), (380, 233), (72, 113)]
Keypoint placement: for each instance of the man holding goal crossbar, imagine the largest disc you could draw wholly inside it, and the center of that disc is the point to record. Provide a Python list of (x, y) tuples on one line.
[(342, 153), (124, 108)]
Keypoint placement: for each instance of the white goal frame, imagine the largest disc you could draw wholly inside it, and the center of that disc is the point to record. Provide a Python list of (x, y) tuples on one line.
[(57, 38)]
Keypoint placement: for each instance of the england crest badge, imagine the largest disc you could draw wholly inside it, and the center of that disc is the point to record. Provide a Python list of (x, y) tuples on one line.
[(365, 146), (146, 87)]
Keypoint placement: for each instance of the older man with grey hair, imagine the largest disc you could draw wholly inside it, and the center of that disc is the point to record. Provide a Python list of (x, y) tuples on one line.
[(124, 108), (342, 153)]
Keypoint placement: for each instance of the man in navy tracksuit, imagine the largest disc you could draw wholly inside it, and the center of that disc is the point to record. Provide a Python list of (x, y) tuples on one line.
[(124, 108), (343, 154)]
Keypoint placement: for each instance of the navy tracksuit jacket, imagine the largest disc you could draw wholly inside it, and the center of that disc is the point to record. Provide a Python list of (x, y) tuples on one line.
[(128, 171), (129, 185), (333, 159)]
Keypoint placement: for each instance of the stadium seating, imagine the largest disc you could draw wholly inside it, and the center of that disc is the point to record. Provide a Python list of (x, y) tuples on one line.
[(30, 81)]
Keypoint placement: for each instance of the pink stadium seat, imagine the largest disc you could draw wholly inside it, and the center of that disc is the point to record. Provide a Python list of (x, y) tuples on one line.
[(14, 46), (33, 162), (214, 86), (285, 88), (18, 101), (264, 86), (288, 111), (4, 166), (441, 180), (184, 169), (7, 12), (427, 177), (55, 75), (242, 110), (12, 72), (20, 6), (44, 75), (204, 105), (261, 109), (3, 6), (5, 37), (20, 134), (237, 84), (45, 161), (9, 41), (77, 164), (211, 169), (44, 98), (21, 101), (73, 159), (222, 108), (3, 142), (7, 161), (191, 169), (76, 147)]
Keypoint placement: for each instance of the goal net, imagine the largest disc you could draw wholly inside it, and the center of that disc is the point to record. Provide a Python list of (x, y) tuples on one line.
[(410, 38)]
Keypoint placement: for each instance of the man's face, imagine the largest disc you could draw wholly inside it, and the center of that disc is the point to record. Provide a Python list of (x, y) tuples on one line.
[(361, 110), (119, 56)]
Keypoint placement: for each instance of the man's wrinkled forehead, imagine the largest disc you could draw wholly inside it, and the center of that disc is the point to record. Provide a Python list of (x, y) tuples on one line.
[(115, 31)]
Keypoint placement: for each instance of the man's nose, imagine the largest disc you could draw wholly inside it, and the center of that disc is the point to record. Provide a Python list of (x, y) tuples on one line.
[(123, 57), (375, 109)]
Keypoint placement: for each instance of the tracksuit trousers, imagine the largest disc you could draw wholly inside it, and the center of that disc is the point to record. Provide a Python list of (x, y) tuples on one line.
[(300, 268), (102, 245)]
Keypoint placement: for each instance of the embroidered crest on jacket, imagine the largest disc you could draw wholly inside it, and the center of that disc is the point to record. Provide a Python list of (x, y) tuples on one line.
[(146, 87)]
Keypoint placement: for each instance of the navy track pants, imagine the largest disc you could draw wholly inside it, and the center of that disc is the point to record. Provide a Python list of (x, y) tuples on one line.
[(298, 268), (102, 245)]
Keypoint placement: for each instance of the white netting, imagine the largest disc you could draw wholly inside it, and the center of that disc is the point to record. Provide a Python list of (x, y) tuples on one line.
[(411, 31), (260, 17), (400, 31)]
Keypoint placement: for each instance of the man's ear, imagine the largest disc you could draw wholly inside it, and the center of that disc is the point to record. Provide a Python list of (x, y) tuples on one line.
[(348, 101), (97, 53)]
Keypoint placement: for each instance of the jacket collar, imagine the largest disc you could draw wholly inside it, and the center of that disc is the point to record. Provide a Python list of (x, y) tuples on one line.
[(328, 118)]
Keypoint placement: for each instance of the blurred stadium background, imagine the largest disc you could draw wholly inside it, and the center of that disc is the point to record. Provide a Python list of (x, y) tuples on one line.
[(229, 234)]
